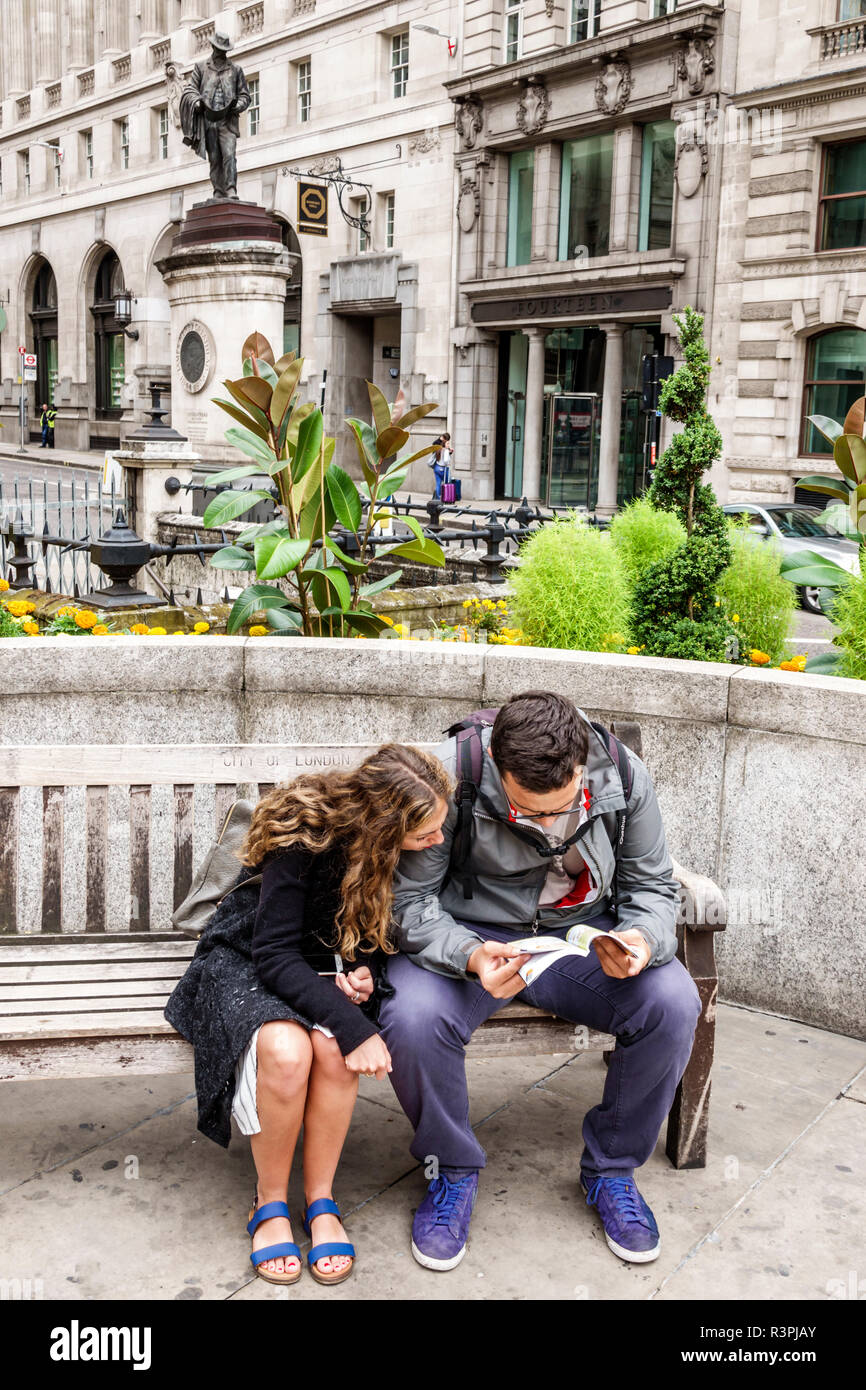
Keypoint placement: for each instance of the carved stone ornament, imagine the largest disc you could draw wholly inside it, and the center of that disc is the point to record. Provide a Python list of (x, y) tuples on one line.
[(548, 8), (533, 107), (423, 144), (325, 164), (694, 63), (195, 355), (613, 87), (692, 161), (468, 205), (469, 120), (174, 83)]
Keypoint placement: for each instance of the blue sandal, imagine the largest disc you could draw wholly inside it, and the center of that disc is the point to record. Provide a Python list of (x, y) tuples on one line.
[(273, 1252), (320, 1207)]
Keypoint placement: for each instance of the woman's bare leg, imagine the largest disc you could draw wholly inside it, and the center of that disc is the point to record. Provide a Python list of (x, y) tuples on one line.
[(330, 1101), (284, 1056)]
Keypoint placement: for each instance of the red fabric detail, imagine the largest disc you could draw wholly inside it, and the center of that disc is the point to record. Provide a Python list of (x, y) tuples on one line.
[(582, 888)]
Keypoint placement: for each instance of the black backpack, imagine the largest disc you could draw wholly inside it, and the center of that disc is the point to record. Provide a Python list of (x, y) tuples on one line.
[(469, 764)]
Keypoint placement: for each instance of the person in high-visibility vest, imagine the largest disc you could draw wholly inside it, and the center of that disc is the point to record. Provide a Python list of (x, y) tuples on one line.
[(49, 416)]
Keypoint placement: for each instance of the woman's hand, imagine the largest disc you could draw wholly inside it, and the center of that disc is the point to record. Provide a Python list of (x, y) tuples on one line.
[(357, 985), (372, 1058)]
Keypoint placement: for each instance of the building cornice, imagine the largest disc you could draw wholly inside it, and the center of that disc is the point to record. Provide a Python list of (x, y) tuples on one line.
[(807, 263), (560, 277)]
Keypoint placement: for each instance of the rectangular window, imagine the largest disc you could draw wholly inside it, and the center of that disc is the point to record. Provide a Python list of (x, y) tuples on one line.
[(389, 220), (253, 110), (842, 211), (399, 63), (87, 149), (162, 142), (584, 199), (123, 141), (25, 171), (662, 7), (851, 9), (521, 167), (835, 379), (57, 161), (513, 30), (364, 238), (657, 185), (585, 19), (305, 87), (116, 369)]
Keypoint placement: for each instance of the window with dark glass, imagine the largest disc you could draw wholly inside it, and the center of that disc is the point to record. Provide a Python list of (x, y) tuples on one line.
[(108, 339), (657, 185), (835, 379), (842, 213), (585, 19), (521, 167), (43, 318), (584, 202), (851, 9)]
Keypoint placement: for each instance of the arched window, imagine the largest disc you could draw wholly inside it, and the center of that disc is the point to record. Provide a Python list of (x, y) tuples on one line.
[(292, 305), (109, 341), (835, 379), (43, 317)]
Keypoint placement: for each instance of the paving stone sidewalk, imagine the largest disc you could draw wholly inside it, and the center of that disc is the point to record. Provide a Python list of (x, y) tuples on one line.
[(107, 1190)]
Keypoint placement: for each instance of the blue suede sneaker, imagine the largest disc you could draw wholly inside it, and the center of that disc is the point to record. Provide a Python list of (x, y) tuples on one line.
[(629, 1226), (441, 1225)]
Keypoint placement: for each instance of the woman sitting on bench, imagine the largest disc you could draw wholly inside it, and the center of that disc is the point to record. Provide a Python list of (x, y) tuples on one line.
[(282, 996)]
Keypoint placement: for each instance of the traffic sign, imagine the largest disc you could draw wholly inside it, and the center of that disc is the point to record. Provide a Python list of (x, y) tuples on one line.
[(21, 351), (30, 374), (29, 360)]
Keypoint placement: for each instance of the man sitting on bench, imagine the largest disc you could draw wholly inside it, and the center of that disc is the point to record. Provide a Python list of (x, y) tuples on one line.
[(559, 825)]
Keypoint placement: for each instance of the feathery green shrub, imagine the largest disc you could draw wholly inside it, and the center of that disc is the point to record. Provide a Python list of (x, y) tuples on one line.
[(753, 588), (642, 535), (570, 587)]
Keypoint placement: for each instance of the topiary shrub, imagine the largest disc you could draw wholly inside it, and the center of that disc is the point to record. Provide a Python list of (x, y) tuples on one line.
[(674, 609), (570, 588), (642, 535), (753, 588)]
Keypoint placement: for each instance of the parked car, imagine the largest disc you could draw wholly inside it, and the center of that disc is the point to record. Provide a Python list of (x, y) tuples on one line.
[(795, 526)]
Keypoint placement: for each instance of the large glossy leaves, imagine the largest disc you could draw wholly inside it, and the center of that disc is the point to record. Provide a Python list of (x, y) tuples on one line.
[(255, 599), (265, 371), (344, 497), (827, 664), (416, 413), (424, 553), (252, 390), (232, 504), (367, 590), (260, 528), (288, 620), (231, 475), (807, 567), (243, 417), (284, 390), (308, 445), (247, 403), (367, 623), (276, 555), (849, 453), (391, 441), (822, 482), (232, 557), (380, 407), (257, 345), (357, 427), (353, 566), (285, 361), (249, 444), (311, 523), (830, 429)]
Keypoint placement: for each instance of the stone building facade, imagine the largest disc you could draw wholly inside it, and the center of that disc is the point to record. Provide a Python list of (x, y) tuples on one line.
[(790, 319), (96, 179)]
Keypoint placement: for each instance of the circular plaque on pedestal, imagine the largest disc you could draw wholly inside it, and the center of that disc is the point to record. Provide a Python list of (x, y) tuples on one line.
[(195, 355)]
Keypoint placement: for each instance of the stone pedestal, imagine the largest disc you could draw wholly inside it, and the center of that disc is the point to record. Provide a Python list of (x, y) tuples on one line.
[(226, 277), (147, 465)]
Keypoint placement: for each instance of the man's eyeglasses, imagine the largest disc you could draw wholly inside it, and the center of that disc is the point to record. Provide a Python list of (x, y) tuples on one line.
[(534, 814)]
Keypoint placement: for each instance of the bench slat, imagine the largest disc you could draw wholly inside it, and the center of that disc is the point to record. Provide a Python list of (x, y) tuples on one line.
[(35, 975), (39, 992), (97, 855), (52, 858), (35, 950), (145, 764), (139, 858), (8, 859), (84, 1025), (84, 1003)]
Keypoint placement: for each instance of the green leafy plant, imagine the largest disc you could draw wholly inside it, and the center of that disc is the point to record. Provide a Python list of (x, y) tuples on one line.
[(643, 534), (753, 587), (674, 603), (569, 587), (849, 615), (326, 575), (847, 514)]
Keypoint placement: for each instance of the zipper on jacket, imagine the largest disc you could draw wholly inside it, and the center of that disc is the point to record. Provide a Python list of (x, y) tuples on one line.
[(584, 828)]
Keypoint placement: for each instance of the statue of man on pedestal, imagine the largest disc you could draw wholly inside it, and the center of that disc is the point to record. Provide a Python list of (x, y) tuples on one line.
[(213, 98)]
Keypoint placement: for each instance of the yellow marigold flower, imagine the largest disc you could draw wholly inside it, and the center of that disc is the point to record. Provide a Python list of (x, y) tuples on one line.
[(386, 619), (19, 607), (154, 631), (401, 628), (85, 619), (139, 629), (68, 611), (633, 651), (488, 604), (32, 629), (735, 617), (467, 603), (99, 631), (259, 630), (4, 585), (759, 658), (503, 605), (201, 627)]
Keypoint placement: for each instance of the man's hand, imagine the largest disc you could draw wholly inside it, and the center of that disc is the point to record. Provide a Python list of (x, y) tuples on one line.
[(372, 1058), (615, 962), (357, 985), (496, 964)]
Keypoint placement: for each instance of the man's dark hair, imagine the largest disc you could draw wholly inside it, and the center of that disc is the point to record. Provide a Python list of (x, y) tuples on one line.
[(539, 738)]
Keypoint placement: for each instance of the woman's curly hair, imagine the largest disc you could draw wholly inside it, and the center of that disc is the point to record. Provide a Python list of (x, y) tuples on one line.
[(366, 811)]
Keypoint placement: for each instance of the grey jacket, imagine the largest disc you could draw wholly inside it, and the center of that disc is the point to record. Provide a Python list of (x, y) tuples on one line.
[(508, 876)]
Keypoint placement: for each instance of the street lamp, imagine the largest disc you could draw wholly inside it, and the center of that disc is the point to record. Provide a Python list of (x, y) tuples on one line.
[(428, 29), (123, 302)]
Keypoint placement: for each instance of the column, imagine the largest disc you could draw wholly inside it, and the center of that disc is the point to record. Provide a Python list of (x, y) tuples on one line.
[(192, 11), (545, 203), (533, 421), (48, 42), (116, 38), (621, 201), (611, 420), (151, 21), (16, 48), (80, 34)]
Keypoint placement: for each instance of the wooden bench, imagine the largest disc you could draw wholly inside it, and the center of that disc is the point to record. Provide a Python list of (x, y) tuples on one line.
[(97, 848)]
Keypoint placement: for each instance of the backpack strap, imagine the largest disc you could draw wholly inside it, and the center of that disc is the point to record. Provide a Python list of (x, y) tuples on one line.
[(469, 766), (621, 762)]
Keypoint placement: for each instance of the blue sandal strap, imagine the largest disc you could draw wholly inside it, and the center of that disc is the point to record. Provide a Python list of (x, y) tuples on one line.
[(265, 1213), (272, 1252), (321, 1252), (321, 1207)]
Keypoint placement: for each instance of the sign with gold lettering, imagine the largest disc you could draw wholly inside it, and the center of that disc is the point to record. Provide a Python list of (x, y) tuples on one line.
[(313, 208), (593, 303)]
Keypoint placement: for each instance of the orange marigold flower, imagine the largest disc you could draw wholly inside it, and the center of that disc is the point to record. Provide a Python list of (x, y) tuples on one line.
[(759, 658), (157, 632), (85, 619), (32, 629), (139, 629), (100, 630), (4, 585), (258, 631), (19, 607), (201, 627)]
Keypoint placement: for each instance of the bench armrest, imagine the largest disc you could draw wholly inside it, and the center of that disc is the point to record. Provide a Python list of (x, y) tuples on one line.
[(700, 902)]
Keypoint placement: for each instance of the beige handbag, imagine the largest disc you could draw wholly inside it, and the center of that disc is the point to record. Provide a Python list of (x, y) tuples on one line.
[(217, 875)]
